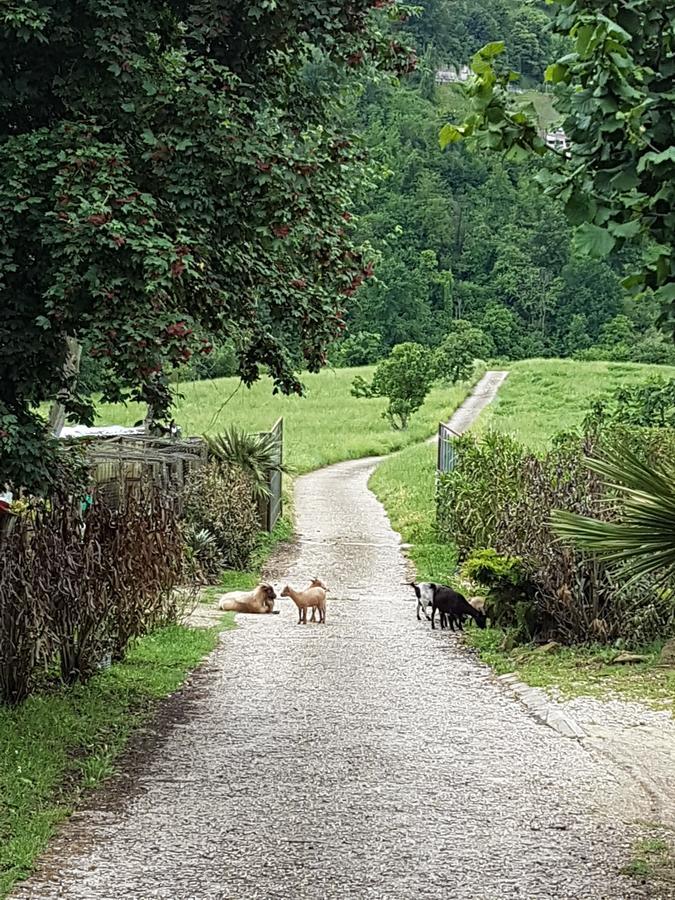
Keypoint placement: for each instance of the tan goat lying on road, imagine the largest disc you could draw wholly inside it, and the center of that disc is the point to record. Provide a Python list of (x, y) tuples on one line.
[(259, 600), (314, 596)]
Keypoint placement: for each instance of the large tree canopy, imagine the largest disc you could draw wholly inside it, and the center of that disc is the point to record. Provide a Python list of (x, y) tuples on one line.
[(170, 172)]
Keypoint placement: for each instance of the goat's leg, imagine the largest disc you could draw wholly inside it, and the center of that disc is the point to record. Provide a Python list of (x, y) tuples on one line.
[(460, 625), (312, 616), (299, 615), (433, 615), (419, 618)]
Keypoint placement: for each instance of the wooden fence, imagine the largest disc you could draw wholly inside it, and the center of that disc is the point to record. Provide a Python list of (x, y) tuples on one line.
[(132, 459)]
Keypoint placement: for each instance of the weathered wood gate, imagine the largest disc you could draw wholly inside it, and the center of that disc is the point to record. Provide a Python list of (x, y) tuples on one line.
[(272, 507), (122, 461), (446, 449)]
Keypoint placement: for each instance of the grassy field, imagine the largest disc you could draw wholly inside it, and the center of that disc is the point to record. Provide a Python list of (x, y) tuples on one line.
[(326, 426), (543, 103), (542, 397), (61, 742)]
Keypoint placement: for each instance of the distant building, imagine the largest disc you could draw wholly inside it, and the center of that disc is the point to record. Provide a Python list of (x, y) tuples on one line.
[(453, 75), (556, 140)]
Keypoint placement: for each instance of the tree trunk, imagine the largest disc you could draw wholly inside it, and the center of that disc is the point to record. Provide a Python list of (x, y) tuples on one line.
[(149, 419), (71, 371)]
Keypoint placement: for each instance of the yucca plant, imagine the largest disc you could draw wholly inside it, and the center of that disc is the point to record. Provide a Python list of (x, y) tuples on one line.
[(202, 552), (256, 454), (642, 540)]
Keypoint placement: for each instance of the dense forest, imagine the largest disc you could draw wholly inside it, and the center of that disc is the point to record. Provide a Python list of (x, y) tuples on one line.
[(457, 235)]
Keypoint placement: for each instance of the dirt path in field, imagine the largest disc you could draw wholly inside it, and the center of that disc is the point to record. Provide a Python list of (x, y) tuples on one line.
[(365, 758)]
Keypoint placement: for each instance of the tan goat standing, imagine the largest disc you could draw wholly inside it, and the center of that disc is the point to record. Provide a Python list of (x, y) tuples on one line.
[(313, 597)]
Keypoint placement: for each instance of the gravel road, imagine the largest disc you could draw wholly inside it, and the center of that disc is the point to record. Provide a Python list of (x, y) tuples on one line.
[(364, 758)]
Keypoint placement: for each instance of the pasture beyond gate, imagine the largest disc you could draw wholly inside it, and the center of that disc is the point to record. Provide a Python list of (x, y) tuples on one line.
[(446, 448)]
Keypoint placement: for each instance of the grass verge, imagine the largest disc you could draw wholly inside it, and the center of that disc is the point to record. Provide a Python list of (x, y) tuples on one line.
[(63, 742), (579, 671), (405, 485), (542, 397)]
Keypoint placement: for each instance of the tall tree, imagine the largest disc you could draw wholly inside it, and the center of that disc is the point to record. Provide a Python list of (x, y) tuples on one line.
[(169, 172)]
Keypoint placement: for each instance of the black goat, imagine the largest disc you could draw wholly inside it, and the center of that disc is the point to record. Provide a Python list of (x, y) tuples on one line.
[(454, 607)]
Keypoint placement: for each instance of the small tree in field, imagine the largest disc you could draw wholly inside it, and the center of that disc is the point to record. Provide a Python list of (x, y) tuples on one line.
[(404, 378), (454, 359)]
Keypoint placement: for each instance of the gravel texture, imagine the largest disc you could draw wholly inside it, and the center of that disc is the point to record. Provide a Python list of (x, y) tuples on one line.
[(365, 758)]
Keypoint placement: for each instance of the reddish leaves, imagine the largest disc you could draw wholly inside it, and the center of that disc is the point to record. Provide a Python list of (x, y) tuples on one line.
[(98, 219)]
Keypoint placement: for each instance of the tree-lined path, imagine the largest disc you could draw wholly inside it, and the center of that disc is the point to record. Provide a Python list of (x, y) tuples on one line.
[(364, 758)]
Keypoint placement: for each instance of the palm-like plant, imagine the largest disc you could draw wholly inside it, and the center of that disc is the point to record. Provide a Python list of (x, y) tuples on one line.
[(257, 454), (642, 540)]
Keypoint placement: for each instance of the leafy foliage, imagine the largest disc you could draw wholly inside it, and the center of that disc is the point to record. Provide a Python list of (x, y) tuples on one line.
[(616, 99), (647, 404), (405, 378), (455, 359), (187, 179), (75, 585), (642, 541), (203, 556), (501, 496), (510, 601), (256, 455), (360, 349), (463, 235), (455, 29)]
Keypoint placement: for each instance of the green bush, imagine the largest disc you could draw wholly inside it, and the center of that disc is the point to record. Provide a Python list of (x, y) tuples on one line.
[(361, 349), (220, 498), (500, 495), (222, 362), (258, 455), (648, 404), (455, 358), (204, 560), (510, 602)]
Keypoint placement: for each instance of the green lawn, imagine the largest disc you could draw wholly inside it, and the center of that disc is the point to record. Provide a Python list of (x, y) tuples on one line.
[(63, 741), (326, 426), (542, 397)]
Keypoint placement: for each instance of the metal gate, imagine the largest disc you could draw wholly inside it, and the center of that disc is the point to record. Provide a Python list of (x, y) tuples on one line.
[(446, 448), (273, 505)]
